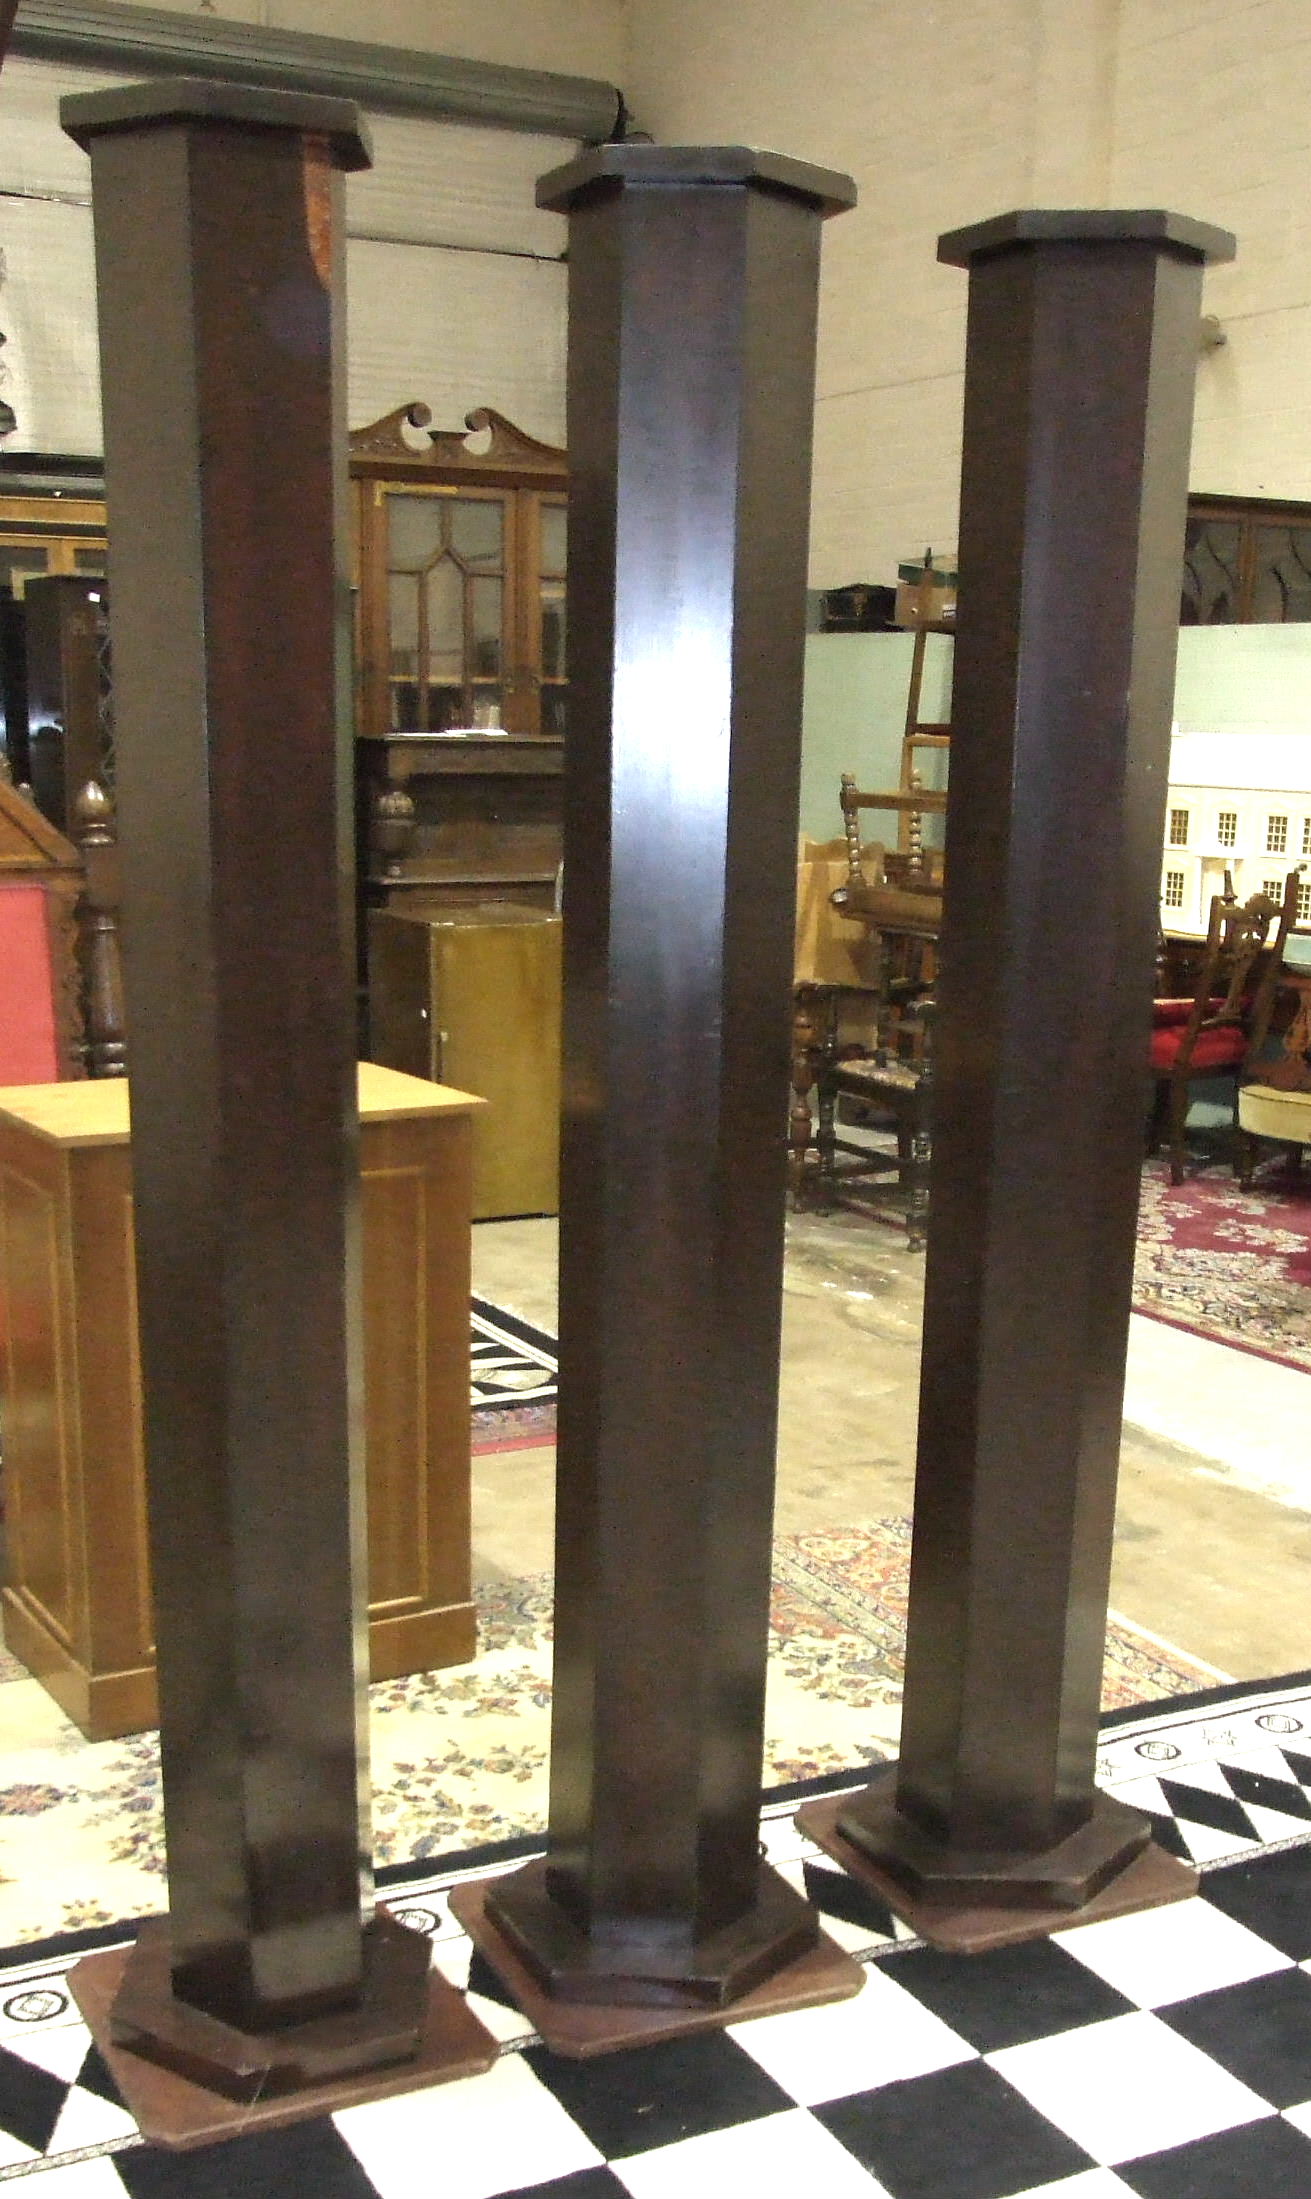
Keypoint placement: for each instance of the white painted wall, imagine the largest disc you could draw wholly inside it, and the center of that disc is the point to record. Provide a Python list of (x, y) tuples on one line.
[(947, 114)]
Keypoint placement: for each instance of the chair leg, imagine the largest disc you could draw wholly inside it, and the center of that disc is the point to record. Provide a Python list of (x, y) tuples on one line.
[(917, 1205), (1156, 1114), (1178, 1119), (1246, 1143)]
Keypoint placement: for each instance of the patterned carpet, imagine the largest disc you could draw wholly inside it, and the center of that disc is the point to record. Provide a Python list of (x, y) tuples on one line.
[(460, 1755), (1228, 1264)]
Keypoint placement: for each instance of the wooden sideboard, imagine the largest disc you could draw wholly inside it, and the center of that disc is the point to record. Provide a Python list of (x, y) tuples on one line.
[(77, 1601)]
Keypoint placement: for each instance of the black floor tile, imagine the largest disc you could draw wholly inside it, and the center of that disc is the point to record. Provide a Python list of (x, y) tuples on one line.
[(653, 2095), (30, 2101), (1271, 1894), (1009, 1996), (1268, 1793), (1265, 2160), (305, 2159), (836, 1895), (1199, 1806), (1260, 2031), (96, 2076), (963, 2133), (483, 1979)]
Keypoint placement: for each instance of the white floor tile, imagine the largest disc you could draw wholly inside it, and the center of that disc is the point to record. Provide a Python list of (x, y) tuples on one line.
[(1169, 1954), (1300, 2118), (880, 2036), (469, 2140), (60, 2049), (1092, 2183), (774, 2157), (87, 2120), (1206, 1845), (1126, 2087), (1276, 1825)]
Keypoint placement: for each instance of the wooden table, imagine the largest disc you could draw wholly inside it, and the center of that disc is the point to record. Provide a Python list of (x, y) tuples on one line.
[(77, 1602)]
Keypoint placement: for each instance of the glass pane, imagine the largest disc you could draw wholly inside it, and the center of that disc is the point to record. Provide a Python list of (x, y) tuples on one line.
[(89, 561), (552, 630), (1282, 586), (445, 588), (416, 531), (555, 519), (403, 626), (1210, 589), (17, 567), (486, 707), (485, 622), (554, 700), (478, 530)]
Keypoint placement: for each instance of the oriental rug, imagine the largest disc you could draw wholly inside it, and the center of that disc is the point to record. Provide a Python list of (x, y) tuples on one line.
[(1227, 1264), (459, 1756), (1165, 2054)]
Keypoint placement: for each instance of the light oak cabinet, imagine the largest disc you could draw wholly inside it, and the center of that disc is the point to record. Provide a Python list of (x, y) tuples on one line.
[(472, 997), (77, 1600)]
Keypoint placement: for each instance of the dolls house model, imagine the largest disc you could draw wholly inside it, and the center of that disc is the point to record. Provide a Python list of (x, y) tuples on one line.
[(1238, 803)]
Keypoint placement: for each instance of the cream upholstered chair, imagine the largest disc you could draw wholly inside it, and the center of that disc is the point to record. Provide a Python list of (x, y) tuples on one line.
[(1265, 1112), (1274, 1100)]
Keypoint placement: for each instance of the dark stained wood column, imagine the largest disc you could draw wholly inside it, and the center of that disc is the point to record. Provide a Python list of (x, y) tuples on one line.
[(218, 242), (693, 286), (1080, 362)]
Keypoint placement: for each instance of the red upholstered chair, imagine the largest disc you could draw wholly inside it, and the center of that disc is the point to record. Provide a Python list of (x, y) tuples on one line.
[(40, 880), (1209, 1035)]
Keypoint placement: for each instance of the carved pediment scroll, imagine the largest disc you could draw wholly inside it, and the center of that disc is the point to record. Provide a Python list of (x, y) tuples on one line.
[(509, 449)]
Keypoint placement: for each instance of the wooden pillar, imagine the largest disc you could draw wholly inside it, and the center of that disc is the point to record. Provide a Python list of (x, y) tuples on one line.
[(693, 285), (218, 243), (1080, 361)]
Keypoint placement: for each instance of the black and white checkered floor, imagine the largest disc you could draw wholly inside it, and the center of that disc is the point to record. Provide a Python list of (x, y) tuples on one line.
[(511, 1361), (1167, 2054)]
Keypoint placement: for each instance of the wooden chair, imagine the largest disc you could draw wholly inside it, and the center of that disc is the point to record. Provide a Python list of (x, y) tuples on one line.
[(1210, 1034), (61, 1010), (886, 1082)]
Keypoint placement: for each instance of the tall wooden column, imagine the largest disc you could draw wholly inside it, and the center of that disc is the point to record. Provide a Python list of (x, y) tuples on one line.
[(693, 284), (1080, 362), (218, 242)]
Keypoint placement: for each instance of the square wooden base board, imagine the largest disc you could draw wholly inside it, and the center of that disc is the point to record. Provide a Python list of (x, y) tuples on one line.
[(1152, 1879), (172, 2111), (581, 2029)]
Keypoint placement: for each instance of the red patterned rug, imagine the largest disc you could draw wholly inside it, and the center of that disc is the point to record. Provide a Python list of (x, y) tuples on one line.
[(1228, 1264)]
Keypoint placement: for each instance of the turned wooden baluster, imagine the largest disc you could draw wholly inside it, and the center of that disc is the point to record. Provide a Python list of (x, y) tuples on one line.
[(104, 1045)]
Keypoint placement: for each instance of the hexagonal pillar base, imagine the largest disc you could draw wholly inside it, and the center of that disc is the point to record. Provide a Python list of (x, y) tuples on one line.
[(190, 2080), (964, 1905), (585, 2026)]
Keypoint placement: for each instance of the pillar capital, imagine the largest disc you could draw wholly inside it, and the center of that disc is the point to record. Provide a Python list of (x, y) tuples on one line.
[(1028, 226), (188, 99), (613, 168)]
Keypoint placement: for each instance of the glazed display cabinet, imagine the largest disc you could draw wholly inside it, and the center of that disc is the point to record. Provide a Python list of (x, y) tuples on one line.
[(461, 661)]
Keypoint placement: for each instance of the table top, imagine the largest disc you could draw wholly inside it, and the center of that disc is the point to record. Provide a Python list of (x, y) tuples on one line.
[(96, 1110)]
